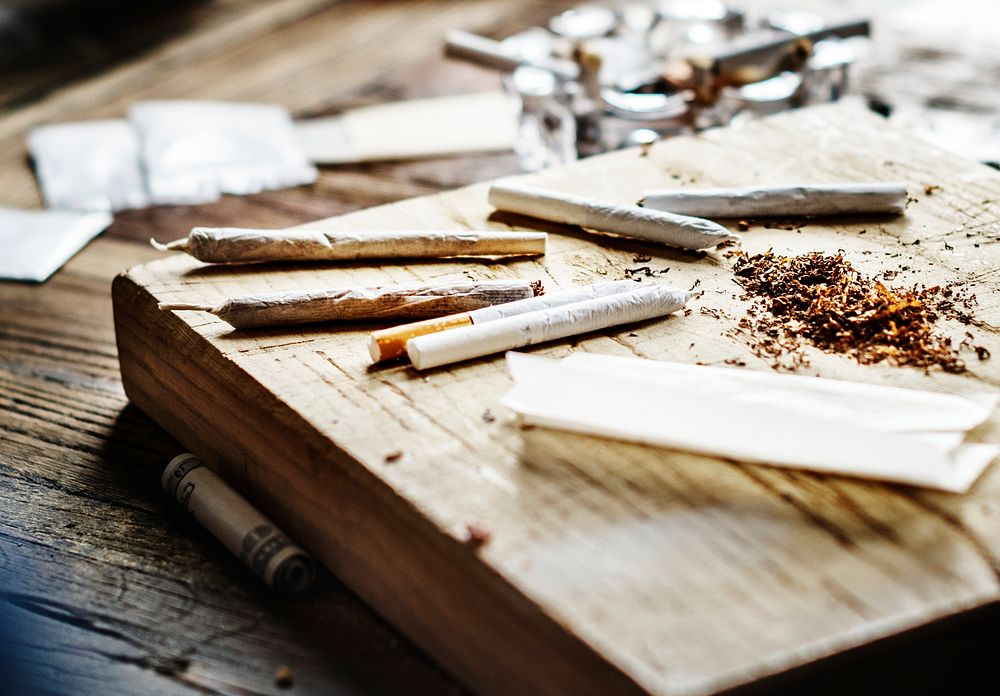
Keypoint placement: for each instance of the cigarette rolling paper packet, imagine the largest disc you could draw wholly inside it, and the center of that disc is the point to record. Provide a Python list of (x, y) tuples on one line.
[(390, 343), (468, 342), (871, 431)]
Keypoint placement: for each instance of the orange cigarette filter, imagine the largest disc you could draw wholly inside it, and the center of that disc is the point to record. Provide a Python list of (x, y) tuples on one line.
[(387, 344)]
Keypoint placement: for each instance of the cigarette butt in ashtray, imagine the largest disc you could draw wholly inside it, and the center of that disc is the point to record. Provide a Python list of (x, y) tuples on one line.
[(390, 343), (283, 566)]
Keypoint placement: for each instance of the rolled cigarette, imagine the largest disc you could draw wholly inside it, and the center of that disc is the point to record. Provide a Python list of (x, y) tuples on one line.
[(791, 201), (387, 344), (490, 53), (235, 245), (360, 303), (282, 565), (433, 350), (766, 56), (625, 220)]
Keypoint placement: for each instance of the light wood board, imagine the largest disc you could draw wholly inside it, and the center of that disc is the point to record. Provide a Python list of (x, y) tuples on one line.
[(611, 567)]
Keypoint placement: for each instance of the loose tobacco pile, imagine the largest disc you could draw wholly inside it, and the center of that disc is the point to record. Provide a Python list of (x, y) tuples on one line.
[(822, 300)]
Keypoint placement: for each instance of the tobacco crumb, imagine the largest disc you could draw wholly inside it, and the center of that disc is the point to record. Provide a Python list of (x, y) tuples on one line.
[(948, 247), (931, 189), (393, 456), (735, 362), (823, 301), (637, 274), (641, 258), (488, 416), (697, 282), (283, 677), (743, 225), (476, 536)]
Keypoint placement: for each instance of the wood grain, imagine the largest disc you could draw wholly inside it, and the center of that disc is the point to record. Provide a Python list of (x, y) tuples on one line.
[(80, 514), (611, 566)]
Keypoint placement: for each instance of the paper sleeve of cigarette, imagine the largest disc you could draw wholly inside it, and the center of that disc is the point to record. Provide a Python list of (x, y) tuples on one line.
[(437, 127), (899, 435), (874, 198), (360, 303), (237, 245), (241, 528), (474, 341), (390, 343), (626, 220)]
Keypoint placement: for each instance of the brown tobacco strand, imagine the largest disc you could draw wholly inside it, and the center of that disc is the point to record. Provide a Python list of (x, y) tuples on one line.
[(824, 301)]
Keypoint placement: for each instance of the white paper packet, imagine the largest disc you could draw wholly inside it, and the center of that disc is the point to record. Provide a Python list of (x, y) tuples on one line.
[(37, 243), (710, 415), (89, 165), (194, 151), (436, 127)]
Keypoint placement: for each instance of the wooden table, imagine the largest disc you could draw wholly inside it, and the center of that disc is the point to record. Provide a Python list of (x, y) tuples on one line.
[(104, 583)]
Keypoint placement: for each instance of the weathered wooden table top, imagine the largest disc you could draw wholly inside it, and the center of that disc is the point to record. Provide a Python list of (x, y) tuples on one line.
[(118, 590)]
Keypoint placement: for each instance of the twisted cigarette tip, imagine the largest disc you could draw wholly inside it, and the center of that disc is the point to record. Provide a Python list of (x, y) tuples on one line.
[(176, 245), (169, 306)]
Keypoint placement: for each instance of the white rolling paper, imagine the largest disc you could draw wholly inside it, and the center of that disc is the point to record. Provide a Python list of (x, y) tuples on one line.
[(436, 127), (783, 424), (785, 201), (456, 345), (194, 151), (37, 243), (89, 165), (625, 220)]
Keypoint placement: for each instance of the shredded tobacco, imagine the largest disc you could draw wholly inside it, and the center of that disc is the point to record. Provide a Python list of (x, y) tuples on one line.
[(824, 301)]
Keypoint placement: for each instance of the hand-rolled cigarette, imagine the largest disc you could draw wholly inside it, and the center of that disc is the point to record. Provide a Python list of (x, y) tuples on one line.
[(767, 56), (235, 245), (282, 565), (490, 53), (433, 350), (362, 304), (784, 201), (387, 344), (625, 220)]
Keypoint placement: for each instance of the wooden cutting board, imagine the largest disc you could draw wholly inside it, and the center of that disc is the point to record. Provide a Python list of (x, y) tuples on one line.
[(610, 567)]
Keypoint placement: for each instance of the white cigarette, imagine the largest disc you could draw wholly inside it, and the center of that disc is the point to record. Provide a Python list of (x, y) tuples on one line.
[(626, 220), (236, 245), (433, 350), (490, 53), (360, 303), (390, 343), (870, 198), (241, 528)]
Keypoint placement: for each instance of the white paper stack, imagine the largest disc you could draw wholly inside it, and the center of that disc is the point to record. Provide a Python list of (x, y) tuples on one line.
[(884, 433)]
